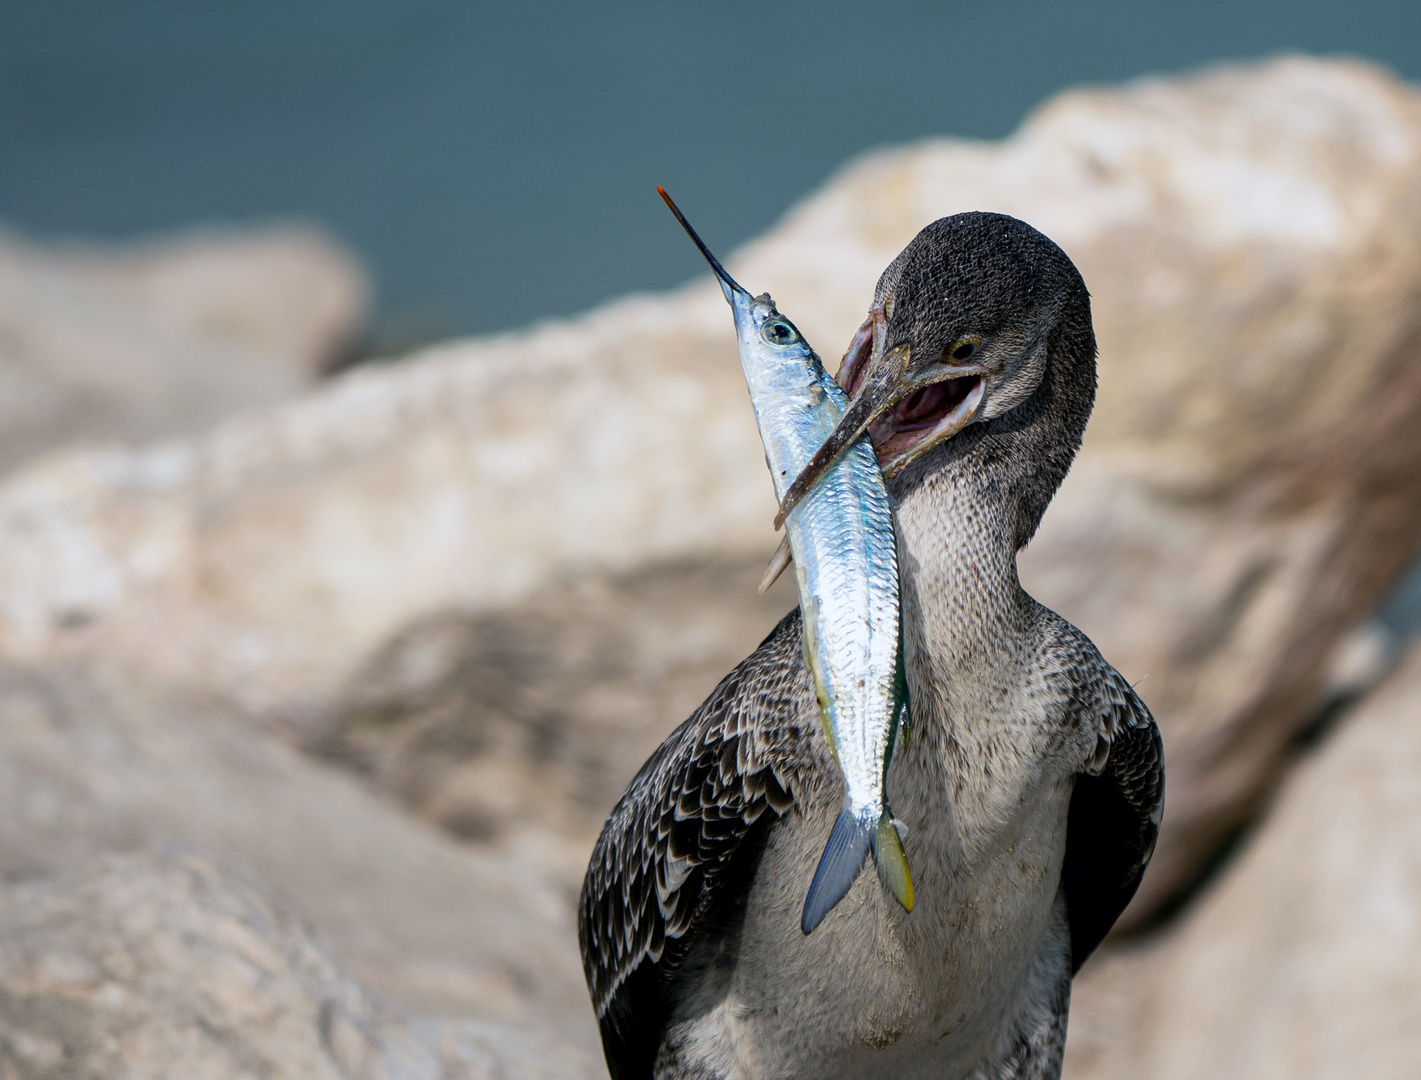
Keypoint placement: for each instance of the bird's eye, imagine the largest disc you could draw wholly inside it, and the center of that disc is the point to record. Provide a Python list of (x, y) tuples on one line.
[(964, 351), (778, 332)]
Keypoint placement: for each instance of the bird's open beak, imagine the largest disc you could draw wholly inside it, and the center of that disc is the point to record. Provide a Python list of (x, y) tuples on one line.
[(905, 408)]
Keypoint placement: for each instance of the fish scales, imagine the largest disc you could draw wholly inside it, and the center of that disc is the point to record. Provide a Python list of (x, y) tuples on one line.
[(844, 547)]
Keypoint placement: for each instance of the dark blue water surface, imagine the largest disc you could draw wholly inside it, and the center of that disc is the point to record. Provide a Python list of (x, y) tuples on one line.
[(495, 162)]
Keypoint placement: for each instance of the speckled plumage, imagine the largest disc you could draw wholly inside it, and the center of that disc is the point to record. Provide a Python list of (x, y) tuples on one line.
[(1030, 788)]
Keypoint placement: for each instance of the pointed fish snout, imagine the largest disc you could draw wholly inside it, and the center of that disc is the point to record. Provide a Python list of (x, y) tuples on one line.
[(728, 284)]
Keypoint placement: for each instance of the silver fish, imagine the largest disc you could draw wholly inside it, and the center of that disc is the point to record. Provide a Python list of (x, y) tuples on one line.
[(846, 562)]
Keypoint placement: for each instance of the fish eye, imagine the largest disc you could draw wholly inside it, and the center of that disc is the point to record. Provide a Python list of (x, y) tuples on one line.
[(779, 332), (964, 350)]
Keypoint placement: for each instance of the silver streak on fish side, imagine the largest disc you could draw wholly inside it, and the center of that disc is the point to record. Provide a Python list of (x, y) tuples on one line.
[(846, 563)]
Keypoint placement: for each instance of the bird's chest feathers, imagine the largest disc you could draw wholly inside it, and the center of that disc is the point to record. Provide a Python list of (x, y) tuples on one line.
[(981, 786), (984, 758), (984, 806), (986, 751), (908, 988)]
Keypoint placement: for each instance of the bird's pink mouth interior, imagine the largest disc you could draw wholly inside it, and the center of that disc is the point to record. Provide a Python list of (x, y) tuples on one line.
[(942, 407), (925, 407), (938, 410)]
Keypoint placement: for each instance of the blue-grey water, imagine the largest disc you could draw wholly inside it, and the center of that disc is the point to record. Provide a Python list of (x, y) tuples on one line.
[(495, 162)]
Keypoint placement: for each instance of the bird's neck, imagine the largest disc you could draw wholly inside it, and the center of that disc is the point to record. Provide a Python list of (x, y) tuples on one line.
[(970, 631), (963, 606), (969, 505), (969, 642)]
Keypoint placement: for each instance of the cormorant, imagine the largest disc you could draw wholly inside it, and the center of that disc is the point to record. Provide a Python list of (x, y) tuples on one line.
[(1028, 793)]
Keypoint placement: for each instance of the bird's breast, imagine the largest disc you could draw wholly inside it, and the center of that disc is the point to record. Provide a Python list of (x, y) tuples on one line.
[(879, 991)]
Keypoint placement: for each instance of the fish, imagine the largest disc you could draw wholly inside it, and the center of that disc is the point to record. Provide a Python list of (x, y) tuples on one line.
[(843, 541)]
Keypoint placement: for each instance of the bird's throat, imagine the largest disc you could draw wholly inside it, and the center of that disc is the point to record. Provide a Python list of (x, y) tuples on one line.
[(963, 605)]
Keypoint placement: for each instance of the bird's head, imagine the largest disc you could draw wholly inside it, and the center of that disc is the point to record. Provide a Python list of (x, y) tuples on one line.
[(981, 323)]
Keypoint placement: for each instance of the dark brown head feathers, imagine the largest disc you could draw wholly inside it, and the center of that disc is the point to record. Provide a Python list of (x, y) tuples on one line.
[(994, 277)]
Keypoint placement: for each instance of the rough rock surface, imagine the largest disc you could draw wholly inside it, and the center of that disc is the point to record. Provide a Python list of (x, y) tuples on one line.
[(147, 340), (533, 716), (171, 967), (1251, 484), (436, 928), (1300, 962), (173, 971), (1248, 489)]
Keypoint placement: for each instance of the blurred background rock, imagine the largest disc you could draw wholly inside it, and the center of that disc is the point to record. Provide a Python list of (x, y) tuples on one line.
[(315, 687), (139, 341)]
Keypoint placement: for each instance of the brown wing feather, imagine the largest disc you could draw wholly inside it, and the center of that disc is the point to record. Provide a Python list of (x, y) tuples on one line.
[(1115, 810), (679, 848)]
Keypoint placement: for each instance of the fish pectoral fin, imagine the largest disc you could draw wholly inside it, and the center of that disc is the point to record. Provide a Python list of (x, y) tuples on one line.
[(779, 563), (892, 861), (843, 858)]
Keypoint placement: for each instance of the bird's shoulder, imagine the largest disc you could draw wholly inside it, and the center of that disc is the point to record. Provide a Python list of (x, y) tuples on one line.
[(1090, 694), (690, 825), (1118, 800)]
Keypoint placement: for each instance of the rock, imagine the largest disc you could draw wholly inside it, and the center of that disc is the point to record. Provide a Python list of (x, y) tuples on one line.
[(1247, 492), (1250, 485), (141, 971), (172, 967), (141, 341), (1300, 961), (288, 292), (1360, 662), (485, 937), (530, 717)]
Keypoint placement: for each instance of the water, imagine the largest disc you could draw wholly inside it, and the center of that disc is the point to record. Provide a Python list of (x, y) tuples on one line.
[(495, 163)]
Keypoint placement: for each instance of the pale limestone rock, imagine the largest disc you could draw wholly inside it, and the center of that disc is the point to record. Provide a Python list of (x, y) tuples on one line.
[(270, 556), (1248, 489), (143, 971), (532, 716), (1300, 962), (145, 968), (140, 341), (285, 291), (439, 929)]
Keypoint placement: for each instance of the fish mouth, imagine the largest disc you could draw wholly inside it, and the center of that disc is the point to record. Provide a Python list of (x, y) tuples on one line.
[(905, 409)]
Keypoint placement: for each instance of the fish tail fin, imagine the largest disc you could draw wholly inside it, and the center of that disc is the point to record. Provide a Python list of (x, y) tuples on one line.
[(892, 861), (843, 858)]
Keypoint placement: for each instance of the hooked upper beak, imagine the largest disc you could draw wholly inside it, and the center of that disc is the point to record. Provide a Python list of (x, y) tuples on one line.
[(905, 408)]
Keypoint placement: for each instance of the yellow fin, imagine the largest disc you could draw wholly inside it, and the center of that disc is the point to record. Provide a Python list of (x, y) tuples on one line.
[(892, 861)]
